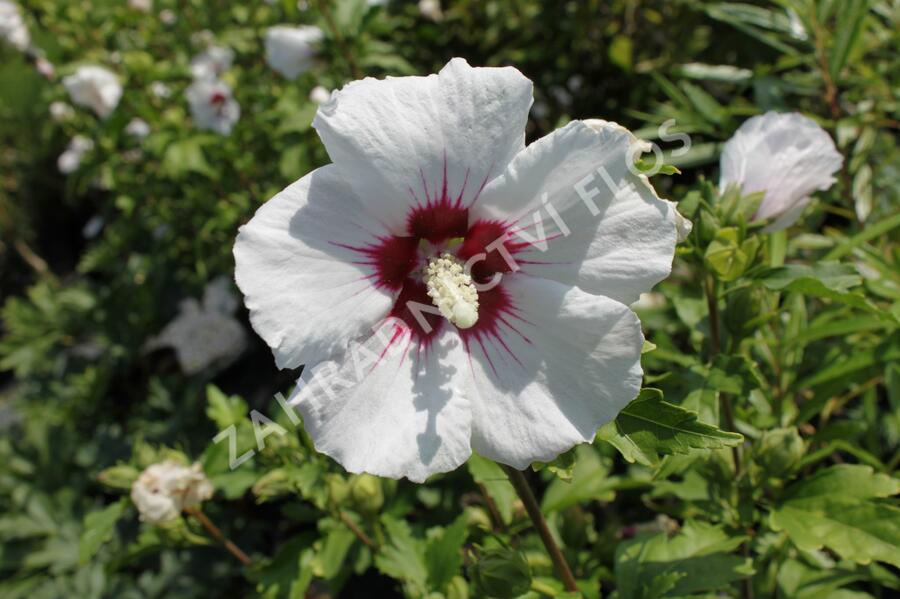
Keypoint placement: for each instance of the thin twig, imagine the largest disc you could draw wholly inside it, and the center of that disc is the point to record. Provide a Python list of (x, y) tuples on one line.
[(492, 508), (540, 524), (30, 257), (356, 530), (217, 535)]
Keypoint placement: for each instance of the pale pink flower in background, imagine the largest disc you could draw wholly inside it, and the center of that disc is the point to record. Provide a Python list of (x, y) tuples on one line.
[(291, 50), (212, 105), (212, 63), (787, 156), (70, 160), (45, 68), (96, 88), (163, 490), (496, 277), (319, 94), (137, 127), (12, 26)]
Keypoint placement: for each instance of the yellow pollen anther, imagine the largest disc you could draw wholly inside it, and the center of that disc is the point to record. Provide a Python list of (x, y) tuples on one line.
[(452, 290)]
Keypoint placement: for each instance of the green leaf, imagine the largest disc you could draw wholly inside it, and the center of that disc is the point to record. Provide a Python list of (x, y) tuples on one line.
[(696, 559), (98, 529), (827, 280), (590, 482), (186, 156), (649, 426), (330, 558), (840, 508), (849, 23), (120, 476), (832, 275), (224, 410), (561, 467), (493, 479), (403, 555), (443, 555)]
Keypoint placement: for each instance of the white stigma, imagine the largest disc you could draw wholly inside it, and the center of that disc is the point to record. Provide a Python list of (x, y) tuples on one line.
[(452, 290)]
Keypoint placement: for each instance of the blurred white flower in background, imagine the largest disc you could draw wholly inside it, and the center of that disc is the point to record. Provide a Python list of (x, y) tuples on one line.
[(96, 88), (160, 90), (290, 50), (205, 334), (431, 9), (60, 111), (319, 94), (167, 17), (213, 106), (212, 63), (141, 5), (163, 490), (786, 156), (12, 26), (93, 227), (70, 160), (138, 128)]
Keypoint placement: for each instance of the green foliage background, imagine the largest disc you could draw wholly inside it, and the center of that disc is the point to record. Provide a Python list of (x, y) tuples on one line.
[(789, 339)]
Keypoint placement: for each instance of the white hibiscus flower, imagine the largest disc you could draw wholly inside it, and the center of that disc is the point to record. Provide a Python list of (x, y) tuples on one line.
[(290, 50), (431, 178), (787, 156), (212, 105), (205, 334), (163, 490), (12, 26), (96, 88), (212, 63)]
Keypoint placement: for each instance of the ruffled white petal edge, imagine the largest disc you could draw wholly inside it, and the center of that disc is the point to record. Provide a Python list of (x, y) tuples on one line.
[(307, 290), (589, 217), (404, 142)]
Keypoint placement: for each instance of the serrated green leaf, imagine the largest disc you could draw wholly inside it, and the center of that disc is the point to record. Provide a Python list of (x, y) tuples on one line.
[(403, 555), (696, 559), (98, 529), (840, 508), (651, 426), (443, 555)]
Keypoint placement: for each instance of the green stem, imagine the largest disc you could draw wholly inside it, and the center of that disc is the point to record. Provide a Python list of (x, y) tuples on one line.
[(520, 484)]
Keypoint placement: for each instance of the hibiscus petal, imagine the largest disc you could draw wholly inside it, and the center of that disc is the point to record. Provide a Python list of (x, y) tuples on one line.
[(617, 238), (391, 408), (307, 290), (788, 156), (565, 363), (403, 142)]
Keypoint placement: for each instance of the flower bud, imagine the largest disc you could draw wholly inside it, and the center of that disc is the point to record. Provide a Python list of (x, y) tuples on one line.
[(779, 451), (366, 493), (501, 573)]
